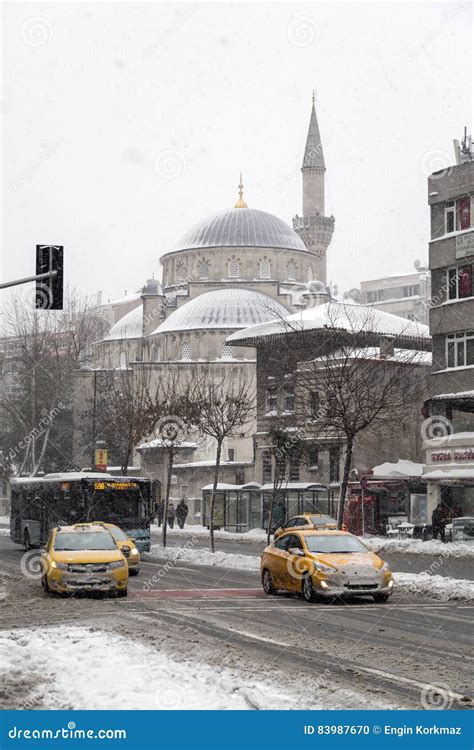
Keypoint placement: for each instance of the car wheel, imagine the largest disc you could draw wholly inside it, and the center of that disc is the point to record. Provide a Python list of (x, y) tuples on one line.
[(44, 583), (27, 540), (267, 583), (133, 572), (122, 593), (380, 598), (309, 593)]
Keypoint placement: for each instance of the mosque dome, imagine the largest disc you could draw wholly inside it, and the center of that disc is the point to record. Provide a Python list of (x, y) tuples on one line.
[(225, 309), (241, 227), (128, 327)]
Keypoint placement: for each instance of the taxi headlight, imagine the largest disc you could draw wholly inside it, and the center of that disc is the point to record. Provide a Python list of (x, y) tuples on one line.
[(58, 565), (117, 564), (134, 552), (322, 568)]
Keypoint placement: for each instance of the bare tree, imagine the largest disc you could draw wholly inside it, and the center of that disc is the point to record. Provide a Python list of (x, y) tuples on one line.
[(40, 350), (221, 410), (283, 446), (362, 385)]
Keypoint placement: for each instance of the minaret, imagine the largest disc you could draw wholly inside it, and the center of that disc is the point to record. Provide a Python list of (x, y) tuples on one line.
[(314, 228)]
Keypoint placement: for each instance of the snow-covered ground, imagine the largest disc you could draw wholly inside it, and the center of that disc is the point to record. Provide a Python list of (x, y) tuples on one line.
[(418, 547), (95, 669), (254, 535), (204, 557), (425, 584), (4, 520)]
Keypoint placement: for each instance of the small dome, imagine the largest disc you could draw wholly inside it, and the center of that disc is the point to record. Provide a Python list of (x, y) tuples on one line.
[(128, 327), (241, 227), (224, 308), (316, 287), (153, 288)]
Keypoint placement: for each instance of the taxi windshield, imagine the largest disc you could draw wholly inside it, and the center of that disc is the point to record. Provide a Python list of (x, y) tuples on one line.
[(332, 543), (83, 540), (117, 532)]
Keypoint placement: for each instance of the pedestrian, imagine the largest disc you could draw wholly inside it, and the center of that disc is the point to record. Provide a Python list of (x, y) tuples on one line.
[(171, 515), (438, 522), (159, 510), (182, 511)]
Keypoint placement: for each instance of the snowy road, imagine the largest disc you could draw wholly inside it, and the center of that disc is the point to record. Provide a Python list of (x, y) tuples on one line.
[(348, 654)]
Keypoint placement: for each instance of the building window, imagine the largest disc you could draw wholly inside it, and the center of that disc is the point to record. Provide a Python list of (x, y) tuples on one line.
[(375, 295), (294, 461), (203, 269), (463, 206), (266, 467), (313, 455), (412, 290), (231, 454), (291, 271), (156, 353), (459, 282), (123, 361), (226, 351), (288, 398), (449, 217), (314, 403), (265, 269), (185, 350), (180, 275), (233, 269), (460, 349), (334, 460), (271, 400), (240, 476)]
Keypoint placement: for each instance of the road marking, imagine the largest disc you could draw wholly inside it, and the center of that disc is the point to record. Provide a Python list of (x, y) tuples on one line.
[(198, 594), (408, 681)]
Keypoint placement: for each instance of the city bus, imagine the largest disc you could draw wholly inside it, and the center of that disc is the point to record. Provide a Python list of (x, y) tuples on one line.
[(39, 504)]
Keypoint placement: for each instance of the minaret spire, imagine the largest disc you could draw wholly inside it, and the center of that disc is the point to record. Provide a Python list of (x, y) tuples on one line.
[(241, 203), (314, 227)]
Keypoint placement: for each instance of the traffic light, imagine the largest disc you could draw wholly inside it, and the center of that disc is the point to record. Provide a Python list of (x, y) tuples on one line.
[(49, 292)]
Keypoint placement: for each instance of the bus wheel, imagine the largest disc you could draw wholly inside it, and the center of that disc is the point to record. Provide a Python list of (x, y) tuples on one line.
[(27, 540)]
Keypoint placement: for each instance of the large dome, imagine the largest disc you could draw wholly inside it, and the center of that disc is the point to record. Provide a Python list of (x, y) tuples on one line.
[(224, 308), (241, 227)]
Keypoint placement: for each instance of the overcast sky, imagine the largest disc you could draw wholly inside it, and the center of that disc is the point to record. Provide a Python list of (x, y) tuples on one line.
[(124, 123)]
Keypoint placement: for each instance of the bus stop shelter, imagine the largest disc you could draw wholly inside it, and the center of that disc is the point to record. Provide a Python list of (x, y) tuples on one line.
[(238, 507), (294, 498)]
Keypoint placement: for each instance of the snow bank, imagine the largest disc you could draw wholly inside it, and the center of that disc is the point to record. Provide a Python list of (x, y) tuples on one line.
[(204, 557), (4, 520), (418, 547), (254, 535), (95, 669), (436, 587)]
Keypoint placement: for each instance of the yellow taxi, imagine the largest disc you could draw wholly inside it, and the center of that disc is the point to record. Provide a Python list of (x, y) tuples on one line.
[(83, 557), (324, 563), (307, 521), (127, 545)]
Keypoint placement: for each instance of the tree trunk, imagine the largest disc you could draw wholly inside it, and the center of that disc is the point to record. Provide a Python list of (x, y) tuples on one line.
[(36, 468), (345, 479), (213, 496), (167, 494)]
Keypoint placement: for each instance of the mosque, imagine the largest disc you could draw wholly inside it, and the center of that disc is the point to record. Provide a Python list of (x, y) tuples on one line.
[(236, 268)]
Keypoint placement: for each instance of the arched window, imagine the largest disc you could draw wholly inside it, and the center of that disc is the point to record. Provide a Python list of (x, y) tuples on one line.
[(185, 350), (180, 275), (291, 271), (123, 361), (157, 353), (233, 269), (203, 269), (265, 269)]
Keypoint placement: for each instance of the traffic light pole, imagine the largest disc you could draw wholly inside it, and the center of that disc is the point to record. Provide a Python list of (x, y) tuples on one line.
[(38, 277)]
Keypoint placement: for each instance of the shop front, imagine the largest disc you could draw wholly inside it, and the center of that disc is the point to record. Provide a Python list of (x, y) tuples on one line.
[(450, 474)]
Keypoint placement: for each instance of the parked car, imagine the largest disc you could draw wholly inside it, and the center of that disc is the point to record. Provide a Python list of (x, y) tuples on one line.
[(124, 542), (324, 563), (83, 557), (307, 521)]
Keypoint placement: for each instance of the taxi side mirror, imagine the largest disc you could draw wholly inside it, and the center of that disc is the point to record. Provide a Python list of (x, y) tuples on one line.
[(296, 551)]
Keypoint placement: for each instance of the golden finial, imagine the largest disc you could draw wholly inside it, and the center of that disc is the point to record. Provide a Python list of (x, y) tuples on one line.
[(314, 96), (241, 203)]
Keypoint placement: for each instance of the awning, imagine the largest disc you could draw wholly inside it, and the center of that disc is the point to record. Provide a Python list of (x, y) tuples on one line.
[(452, 476)]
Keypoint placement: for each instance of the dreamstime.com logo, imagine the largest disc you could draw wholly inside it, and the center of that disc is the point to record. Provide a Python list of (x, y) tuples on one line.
[(70, 732), (436, 697), (436, 428)]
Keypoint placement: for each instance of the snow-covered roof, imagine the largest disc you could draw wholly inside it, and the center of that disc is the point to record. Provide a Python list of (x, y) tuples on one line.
[(160, 443), (402, 468), (64, 476), (453, 474), (128, 327), (132, 297), (343, 316), (241, 227), (294, 486), (460, 394), (373, 353), (225, 486), (223, 308)]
